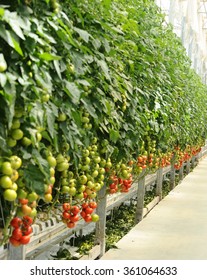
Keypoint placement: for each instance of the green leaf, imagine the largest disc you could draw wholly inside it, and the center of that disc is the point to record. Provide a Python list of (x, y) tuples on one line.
[(3, 79), (16, 46), (37, 114), (89, 107), (114, 135), (16, 28), (104, 67), (2, 12), (3, 143), (9, 37), (83, 34), (57, 68), (50, 121), (42, 163), (73, 91), (106, 3), (48, 57), (34, 179), (83, 82)]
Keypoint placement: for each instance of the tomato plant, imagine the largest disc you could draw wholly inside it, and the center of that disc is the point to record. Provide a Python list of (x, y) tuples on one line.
[(91, 96)]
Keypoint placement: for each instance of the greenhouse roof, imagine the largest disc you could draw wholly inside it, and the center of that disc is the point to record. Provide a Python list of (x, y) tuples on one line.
[(189, 19)]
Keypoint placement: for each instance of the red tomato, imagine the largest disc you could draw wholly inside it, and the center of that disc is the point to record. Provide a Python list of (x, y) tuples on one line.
[(113, 186), (16, 222), (23, 201), (66, 206), (17, 233), (25, 239), (88, 218), (89, 210), (75, 209), (84, 205), (27, 220), (14, 242), (74, 218), (83, 214), (71, 224), (93, 204), (27, 230), (66, 215)]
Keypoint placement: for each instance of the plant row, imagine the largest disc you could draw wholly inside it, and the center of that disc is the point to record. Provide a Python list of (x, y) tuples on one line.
[(91, 93)]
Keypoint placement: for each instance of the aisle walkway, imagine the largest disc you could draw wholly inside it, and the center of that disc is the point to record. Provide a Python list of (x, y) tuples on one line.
[(175, 229)]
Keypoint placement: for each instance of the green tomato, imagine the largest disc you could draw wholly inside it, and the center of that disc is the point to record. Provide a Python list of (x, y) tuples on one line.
[(3, 67), (62, 117), (15, 124), (102, 162), (52, 161), (14, 187), (72, 183), (6, 182), (90, 184), (45, 97), (65, 174), (85, 153), (87, 160), (10, 195), (18, 113), (26, 141), (79, 195), (17, 134), (97, 186), (71, 68), (94, 140), (52, 180), (38, 136), (108, 164), (101, 178), (64, 181), (62, 166), (48, 197), (65, 189), (83, 179), (3, 64), (16, 162), (85, 167), (94, 148), (72, 191), (85, 119), (60, 158), (82, 188), (101, 170), (125, 174), (95, 217), (33, 213), (95, 173), (6, 168), (11, 142), (92, 194), (97, 159), (33, 196), (21, 194)]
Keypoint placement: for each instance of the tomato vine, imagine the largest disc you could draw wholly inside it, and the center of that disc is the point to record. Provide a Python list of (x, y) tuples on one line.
[(101, 89)]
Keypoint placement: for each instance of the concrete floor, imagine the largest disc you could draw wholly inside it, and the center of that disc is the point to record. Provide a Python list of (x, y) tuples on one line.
[(176, 229)]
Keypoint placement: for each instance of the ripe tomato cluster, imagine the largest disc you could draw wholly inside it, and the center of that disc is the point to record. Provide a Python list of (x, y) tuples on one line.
[(10, 175), (87, 212), (73, 213), (165, 159), (22, 229), (120, 185), (142, 162), (70, 214)]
